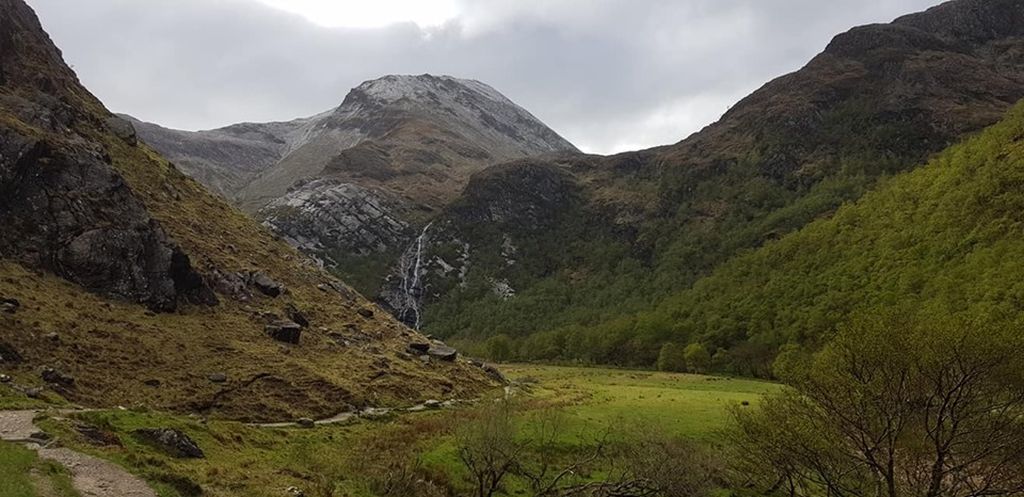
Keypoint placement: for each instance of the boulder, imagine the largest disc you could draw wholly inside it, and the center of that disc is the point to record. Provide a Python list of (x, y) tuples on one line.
[(432, 404), (495, 373), (339, 288), (232, 284), (34, 393), (9, 306), (174, 442), (123, 129), (338, 338), (305, 422), (265, 284), (366, 313), (53, 376), (295, 315), (284, 331), (5, 379), (418, 348), (443, 352), (218, 377)]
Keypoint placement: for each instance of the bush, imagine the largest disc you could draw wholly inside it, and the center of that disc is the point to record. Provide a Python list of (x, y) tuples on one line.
[(892, 407), (671, 358), (697, 358)]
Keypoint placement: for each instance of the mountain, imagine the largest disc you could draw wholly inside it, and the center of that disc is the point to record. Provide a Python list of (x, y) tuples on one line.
[(124, 282), (944, 239), (354, 185), (624, 233)]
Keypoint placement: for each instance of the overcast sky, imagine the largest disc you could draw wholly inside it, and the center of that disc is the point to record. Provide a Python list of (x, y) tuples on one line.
[(609, 75)]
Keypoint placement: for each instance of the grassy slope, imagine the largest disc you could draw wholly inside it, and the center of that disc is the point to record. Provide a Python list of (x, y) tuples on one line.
[(245, 460), (113, 348)]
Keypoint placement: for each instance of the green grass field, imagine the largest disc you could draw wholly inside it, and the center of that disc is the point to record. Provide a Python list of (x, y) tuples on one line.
[(694, 406), (25, 475), (351, 460)]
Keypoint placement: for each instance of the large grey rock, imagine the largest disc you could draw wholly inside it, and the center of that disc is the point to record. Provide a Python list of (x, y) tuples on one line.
[(296, 315), (443, 352), (57, 377), (174, 442), (266, 285), (123, 129), (64, 208), (285, 331)]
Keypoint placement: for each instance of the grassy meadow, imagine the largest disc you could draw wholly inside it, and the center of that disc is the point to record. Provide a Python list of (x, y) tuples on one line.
[(377, 457)]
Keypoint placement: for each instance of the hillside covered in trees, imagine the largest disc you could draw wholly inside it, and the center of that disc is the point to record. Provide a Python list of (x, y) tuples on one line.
[(944, 236)]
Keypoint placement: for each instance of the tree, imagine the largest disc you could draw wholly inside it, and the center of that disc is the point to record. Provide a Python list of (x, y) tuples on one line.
[(671, 358), (499, 348), (697, 357), (894, 408), (496, 448), (489, 448)]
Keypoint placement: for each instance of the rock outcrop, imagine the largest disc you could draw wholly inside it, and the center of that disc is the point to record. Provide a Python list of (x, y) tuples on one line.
[(65, 207), (174, 442)]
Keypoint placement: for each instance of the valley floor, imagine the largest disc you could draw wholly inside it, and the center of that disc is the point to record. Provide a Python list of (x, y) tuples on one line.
[(365, 457)]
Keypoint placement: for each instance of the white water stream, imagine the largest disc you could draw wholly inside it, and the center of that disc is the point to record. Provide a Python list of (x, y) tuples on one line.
[(411, 275)]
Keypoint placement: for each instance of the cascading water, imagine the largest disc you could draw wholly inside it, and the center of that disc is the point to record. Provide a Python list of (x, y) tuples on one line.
[(412, 266)]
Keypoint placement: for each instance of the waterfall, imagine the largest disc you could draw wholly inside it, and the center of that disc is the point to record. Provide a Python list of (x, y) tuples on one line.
[(412, 264)]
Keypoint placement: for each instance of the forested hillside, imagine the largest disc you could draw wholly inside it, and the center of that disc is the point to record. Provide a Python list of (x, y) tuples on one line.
[(944, 238)]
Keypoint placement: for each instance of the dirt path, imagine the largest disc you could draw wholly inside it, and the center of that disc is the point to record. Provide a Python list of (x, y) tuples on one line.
[(91, 477)]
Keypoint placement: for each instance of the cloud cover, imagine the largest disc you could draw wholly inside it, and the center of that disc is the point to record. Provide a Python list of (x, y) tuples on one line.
[(609, 75)]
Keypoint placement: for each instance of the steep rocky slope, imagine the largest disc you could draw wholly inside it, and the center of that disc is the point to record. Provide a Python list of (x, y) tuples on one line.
[(124, 282), (879, 100), (354, 185)]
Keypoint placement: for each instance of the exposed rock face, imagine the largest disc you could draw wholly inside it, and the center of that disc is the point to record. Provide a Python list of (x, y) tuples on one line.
[(328, 217), (522, 193), (66, 208)]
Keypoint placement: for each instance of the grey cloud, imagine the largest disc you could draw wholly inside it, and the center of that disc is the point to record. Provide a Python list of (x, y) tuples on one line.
[(607, 74)]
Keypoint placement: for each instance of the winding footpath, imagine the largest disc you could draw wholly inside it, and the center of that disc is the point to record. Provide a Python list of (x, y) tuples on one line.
[(91, 477)]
